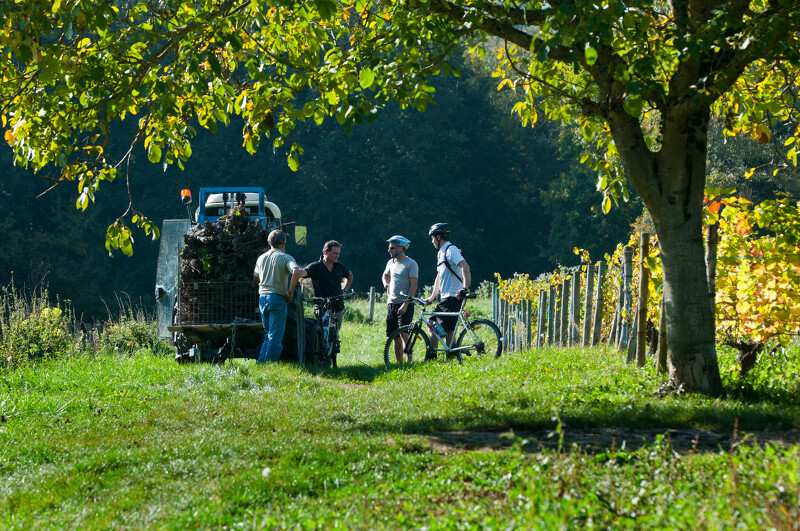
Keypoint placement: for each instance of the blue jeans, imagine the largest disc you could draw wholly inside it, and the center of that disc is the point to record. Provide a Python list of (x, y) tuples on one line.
[(273, 317)]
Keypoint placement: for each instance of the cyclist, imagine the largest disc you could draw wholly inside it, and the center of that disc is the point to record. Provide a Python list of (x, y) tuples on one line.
[(449, 283), (400, 275), (326, 276)]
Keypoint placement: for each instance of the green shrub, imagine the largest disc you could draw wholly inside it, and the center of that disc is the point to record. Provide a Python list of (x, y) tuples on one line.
[(132, 330), (31, 328)]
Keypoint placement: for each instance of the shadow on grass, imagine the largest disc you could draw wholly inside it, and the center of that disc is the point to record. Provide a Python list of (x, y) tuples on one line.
[(358, 373), (689, 427)]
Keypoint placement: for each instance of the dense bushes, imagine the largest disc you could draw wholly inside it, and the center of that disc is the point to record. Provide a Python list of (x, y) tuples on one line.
[(33, 328)]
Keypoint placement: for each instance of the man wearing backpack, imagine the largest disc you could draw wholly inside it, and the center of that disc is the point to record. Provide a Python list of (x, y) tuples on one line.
[(452, 277)]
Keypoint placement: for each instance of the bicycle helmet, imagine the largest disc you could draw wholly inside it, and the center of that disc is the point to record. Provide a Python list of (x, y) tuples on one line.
[(400, 240), (439, 228)]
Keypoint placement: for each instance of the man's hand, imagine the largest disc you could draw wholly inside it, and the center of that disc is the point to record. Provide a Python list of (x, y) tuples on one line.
[(288, 297), (402, 309), (463, 293)]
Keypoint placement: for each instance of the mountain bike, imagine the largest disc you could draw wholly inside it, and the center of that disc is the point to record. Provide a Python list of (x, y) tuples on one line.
[(324, 334), (479, 337)]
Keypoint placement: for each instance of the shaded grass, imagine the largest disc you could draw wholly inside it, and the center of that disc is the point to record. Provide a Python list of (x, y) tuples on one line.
[(139, 441)]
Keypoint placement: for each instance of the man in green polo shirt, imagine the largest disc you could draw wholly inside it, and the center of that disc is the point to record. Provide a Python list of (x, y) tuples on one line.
[(272, 272)]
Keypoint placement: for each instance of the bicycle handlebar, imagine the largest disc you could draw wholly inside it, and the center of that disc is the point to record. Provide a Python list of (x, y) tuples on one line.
[(424, 303), (326, 300)]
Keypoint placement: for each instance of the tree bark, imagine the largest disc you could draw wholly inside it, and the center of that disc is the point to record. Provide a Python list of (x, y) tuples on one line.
[(671, 183)]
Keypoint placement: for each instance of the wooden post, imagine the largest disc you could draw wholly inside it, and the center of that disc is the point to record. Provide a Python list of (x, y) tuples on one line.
[(587, 306), (564, 325), (598, 305), (712, 242), (529, 324), (613, 339), (575, 311), (644, 294), (541, 319), (371, 315), (661, 364), (494, 304), (551, 311), (512, 326), (627, 280), (633, 343)]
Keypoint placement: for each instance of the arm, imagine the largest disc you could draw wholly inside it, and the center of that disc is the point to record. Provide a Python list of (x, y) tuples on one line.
[(465, 273), (297, 274), (435, 291), (386, 279), (412, 289), (349, 282)]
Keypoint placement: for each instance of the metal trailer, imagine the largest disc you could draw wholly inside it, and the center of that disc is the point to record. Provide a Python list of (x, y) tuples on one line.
[(214, 321)]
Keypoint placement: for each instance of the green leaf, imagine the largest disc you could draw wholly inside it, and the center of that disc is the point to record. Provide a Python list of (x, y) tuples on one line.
[(154, 153), (366, 77), (590, 54), (294, 164)]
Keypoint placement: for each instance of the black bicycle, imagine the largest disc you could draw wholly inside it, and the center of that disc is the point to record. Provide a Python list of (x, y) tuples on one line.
[(479, 337), (324, 340)]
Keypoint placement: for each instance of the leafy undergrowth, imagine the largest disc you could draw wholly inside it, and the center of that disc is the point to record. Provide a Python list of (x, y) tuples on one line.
[(542, 439)]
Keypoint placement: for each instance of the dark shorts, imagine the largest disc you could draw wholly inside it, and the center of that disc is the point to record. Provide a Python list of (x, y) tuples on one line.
[(450, 304), (394, 321)]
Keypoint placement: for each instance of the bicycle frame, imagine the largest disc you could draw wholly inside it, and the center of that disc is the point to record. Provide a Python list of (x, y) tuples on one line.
[(424, 319)]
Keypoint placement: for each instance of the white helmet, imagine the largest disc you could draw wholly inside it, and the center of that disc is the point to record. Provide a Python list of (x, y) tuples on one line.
[(400, 240)]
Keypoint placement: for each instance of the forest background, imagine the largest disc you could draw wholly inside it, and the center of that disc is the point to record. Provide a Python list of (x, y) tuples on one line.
[(517, 199)]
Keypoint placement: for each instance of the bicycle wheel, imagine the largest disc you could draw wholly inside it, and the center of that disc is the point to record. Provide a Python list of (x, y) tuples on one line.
[(489, 339), (418, 344)]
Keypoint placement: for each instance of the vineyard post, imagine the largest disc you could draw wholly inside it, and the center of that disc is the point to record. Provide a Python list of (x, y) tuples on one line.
[(615, 322), (504, 316), (495, 297), (371, 304), (712, 242), (587, 306), (564, 324), (633, 343), (661, 356), (644, 295), (598, 305), (529, 324), (627, 280), (551, 310), (513, 323), (575, 311), (541, 319)]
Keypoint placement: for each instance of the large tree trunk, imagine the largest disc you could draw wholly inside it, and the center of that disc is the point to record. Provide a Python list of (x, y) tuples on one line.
[(671, 183)]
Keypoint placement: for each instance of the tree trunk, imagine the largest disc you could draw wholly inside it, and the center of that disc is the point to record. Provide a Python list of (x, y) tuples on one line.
[(671, 183)]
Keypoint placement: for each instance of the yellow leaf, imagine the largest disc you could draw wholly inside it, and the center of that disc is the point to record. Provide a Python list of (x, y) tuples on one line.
[(9, 136)]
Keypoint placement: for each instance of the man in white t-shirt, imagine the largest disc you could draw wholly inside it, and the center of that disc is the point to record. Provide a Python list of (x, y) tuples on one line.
[(452, 277), (400, 275)]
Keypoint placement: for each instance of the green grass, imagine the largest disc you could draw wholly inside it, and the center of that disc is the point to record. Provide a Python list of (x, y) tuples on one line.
[(541, 439)]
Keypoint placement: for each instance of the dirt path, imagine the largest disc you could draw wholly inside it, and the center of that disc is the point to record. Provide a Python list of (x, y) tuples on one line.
[(603, 439)]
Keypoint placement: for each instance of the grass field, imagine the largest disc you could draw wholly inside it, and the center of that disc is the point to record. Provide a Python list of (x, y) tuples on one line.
[(541, 439)]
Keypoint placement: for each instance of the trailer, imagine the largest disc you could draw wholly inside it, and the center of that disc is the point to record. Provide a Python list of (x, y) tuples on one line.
[(212, 321)]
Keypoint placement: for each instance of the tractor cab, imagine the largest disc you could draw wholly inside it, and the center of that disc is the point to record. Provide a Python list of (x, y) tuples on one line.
[(215, 203)]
